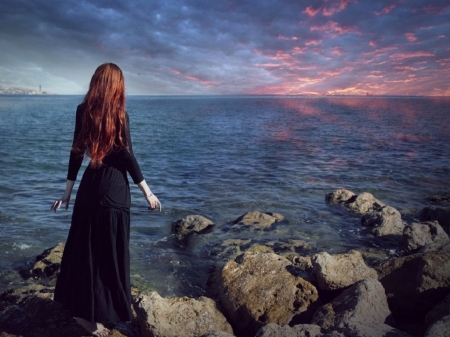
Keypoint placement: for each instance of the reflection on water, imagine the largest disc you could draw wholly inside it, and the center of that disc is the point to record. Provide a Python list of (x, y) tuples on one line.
[(222, 157)]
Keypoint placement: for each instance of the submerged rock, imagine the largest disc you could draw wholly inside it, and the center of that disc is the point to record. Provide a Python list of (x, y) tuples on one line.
[(190, 224), (260, 288), (257, 220), (339, 196), (362, 203), (340, 270), (173, 317)]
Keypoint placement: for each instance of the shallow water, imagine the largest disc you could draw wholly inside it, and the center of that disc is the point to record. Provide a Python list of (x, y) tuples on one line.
[(222, 157)]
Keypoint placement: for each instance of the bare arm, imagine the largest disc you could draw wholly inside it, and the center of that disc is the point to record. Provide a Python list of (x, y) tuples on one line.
[(152, 200), (65, 198)]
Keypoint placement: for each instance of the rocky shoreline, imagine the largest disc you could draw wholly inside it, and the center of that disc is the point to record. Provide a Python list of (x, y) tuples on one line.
[(260, 293)]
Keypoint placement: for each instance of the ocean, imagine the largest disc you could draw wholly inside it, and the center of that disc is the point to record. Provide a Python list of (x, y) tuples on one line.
[(220, 157)]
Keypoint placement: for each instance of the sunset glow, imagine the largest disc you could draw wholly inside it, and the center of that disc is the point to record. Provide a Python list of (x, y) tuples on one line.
[(334, 47)]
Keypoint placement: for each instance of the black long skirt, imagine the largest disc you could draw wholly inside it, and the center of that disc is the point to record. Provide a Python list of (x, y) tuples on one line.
[(94, 281)]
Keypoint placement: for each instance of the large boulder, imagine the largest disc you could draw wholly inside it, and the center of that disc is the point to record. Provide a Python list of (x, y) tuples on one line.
[(49, 262), (260, 288), (257, 220), (190, 224), (360, 310), (440, 310), (418, 235), (414, 284), (169, 317), (438, 213), (440, 328), (340, 270), (385, 221), (369, 330), (365, 302)]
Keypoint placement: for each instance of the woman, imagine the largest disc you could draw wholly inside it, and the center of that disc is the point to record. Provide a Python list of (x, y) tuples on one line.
[(94, 281)]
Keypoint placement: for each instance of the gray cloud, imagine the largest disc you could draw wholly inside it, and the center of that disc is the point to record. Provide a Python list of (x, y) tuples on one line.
[(229, 47)]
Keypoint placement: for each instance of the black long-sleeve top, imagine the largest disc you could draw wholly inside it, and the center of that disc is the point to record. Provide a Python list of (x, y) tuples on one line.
[(123, 159)]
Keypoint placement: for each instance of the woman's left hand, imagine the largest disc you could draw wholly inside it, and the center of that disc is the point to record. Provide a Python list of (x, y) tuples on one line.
[(153, 202)]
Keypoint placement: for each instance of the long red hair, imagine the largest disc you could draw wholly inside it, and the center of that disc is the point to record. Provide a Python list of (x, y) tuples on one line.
[(104, 116)]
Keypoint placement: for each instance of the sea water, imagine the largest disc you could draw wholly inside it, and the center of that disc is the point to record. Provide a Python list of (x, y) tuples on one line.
[(220, 157)]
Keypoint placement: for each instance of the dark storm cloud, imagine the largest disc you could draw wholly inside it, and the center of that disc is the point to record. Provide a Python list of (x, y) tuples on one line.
[(225, 47)]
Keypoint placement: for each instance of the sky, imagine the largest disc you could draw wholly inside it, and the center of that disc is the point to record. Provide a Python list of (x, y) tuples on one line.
[(229, 47)]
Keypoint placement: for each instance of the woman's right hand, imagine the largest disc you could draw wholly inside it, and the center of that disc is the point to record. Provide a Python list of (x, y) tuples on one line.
[(153, 202)]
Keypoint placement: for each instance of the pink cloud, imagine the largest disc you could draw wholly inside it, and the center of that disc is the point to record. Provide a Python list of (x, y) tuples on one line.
[(372, 44), (410, 37), (402, 56), (385, 10), (281, 37), (313, 42), (336, 51), (311, 11), (280, 55), (333, 27), (328, 10), (430, 9)]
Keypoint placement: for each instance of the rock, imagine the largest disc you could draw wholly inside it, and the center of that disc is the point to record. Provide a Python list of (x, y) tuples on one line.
[(31, 312), (340, 270), (364, 303), (339, 196), (300, 330), (440, 310), (49, 262), (290, 245), (417, 235), (414, 284), (438, 213), (167, 317), (260, 288), (190, 224), (386, 221), (370, 330), (217, 333), (364, 203), (441, 328), (257, 220)]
